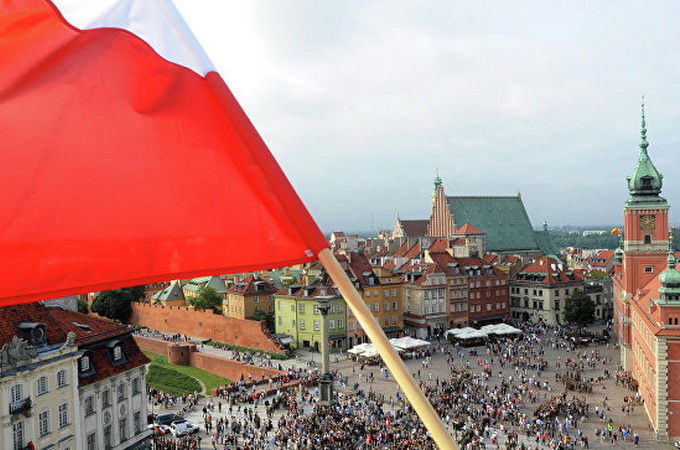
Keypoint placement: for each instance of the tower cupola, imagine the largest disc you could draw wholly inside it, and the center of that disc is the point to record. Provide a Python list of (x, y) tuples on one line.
[(645, 183), (670, 279)]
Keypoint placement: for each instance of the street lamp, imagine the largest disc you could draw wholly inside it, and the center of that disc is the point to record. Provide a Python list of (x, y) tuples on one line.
[(326, 378)]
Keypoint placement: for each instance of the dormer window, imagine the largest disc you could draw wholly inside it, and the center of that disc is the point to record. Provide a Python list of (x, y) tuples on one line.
[(116, 353), (85, 365), (33, 332)]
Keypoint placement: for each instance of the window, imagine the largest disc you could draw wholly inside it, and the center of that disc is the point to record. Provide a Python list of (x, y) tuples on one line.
[(122, 428), (61, 378), (394, 306), (117, 353), (386, 293), (42, 385), (270, 309), (18, 435), (91, 438), (350, 326), (292, 322), (394, 320), (136, 419), (121, 392), (256, 299), (394, 292), (85, 361), (292, 308), (488, 306), (368, 294), (649, 269), (279, 305), (647, 239), (44, 423), (106, 398), (387, 320), (340, 323), (17, 395), (89, 405), (376, 306), (331, 324), (135, 386), (107, 437), (63, 415), (316, 310), (302, 324), (386, 306), (280, 320), (302, 308), (316, 325)]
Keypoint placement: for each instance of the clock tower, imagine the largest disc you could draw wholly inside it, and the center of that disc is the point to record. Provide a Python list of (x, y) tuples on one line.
[(645, 244)]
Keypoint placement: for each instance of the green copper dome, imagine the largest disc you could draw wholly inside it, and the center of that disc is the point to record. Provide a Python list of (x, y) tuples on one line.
[(670, 278), (645, 183)]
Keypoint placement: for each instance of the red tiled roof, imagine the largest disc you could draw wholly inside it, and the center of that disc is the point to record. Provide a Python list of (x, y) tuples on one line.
[(29, 312), (439, 245), (102, 362), (249, 286), (414, 251), (469, 229), (91, 336)]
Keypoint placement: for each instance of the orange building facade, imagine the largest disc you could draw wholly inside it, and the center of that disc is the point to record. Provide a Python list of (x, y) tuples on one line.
[(647, 297)]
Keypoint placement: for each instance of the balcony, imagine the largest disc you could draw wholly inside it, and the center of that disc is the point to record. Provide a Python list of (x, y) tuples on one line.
[(21, 407)]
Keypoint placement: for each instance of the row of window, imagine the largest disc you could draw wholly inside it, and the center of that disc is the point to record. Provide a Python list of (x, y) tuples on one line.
[(536, 292), (376, 293), (44, 424), (489, 307), (17, 390), (122, 432)]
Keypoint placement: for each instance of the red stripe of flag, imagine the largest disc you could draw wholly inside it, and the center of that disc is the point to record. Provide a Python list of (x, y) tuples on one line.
[(121, 168)]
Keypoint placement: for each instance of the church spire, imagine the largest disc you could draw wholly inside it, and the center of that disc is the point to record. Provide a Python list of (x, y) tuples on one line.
[(645, 183), (643, 130)]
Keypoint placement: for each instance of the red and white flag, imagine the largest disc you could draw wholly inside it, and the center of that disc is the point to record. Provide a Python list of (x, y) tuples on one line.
[(125, 157)]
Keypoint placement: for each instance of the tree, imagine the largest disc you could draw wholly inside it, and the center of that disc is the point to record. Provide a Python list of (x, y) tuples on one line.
[(268, 318), (579, 309), (114, 304), (206, 298), (82, 307)]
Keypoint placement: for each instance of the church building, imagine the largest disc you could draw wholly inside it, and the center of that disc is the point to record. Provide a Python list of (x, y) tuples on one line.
[(647, 297), (502, 220)]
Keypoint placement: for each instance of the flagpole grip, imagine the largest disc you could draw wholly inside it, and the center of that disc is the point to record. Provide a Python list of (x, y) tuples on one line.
[(413, 393)]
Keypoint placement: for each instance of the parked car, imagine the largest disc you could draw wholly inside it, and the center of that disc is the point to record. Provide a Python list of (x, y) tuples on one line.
[(182, 428), (159, 430), (168, 418)]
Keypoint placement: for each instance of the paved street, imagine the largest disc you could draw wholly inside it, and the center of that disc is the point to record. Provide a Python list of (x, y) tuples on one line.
[(607, 391)]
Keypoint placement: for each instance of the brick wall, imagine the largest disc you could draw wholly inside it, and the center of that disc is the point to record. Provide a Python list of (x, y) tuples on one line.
[(233, 370), (227, 368), (203, 324)]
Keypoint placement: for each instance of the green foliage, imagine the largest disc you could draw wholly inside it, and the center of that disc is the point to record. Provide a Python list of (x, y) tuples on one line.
[(171, 381), (596, 275), (114, 304), (82, 307), (210, 380), (268, 319), (579, 309), (206, 298)]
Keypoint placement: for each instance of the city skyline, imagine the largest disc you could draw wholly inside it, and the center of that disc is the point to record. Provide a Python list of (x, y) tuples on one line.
[(362, 104)]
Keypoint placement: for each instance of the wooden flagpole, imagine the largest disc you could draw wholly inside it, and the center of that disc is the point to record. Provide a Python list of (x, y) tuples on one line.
[(394, 363)]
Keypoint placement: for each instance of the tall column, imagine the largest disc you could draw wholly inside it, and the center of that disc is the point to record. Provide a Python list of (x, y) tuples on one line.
[(325, 379)]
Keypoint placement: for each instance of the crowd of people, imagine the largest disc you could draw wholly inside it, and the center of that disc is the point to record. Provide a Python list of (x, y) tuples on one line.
[(500, 396)]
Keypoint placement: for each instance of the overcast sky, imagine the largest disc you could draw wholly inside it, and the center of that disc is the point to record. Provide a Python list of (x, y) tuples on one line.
[(362, 101)]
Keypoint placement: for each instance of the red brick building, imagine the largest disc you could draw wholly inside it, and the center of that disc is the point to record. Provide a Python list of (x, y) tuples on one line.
[(647, 297)]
